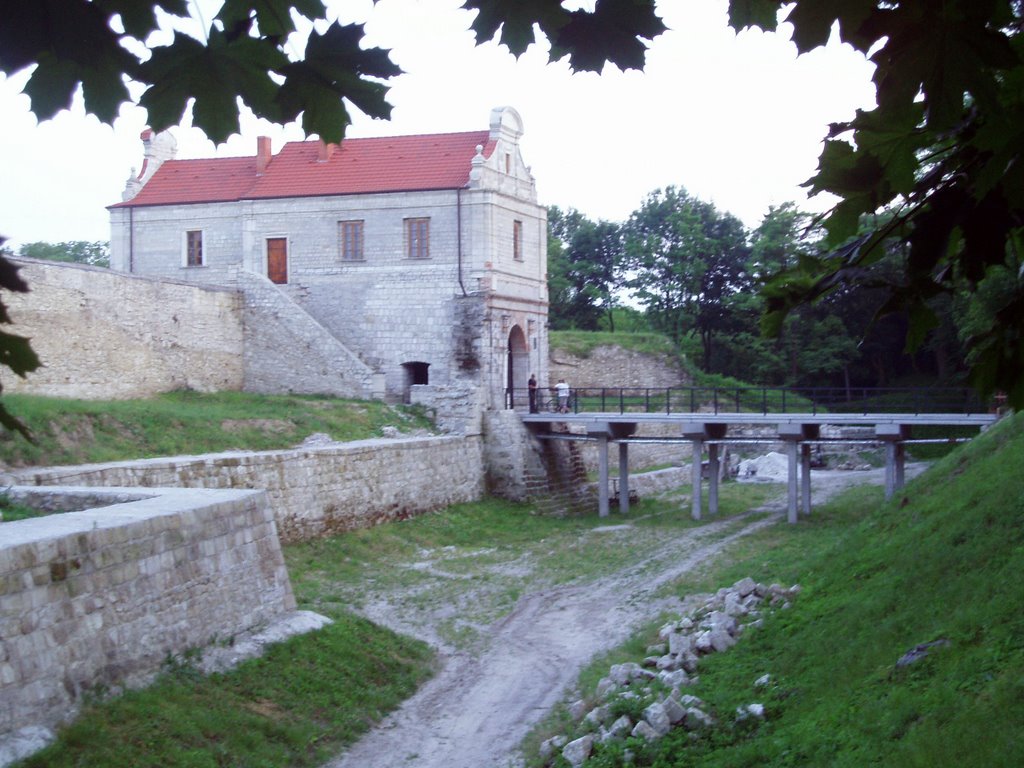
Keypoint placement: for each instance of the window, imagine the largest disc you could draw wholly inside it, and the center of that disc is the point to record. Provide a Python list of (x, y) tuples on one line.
[(194, 248), (351, 240), (517, 240), (417, 238)]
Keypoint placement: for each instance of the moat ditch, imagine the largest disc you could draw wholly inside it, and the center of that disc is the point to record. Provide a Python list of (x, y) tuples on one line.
[(515, 625)]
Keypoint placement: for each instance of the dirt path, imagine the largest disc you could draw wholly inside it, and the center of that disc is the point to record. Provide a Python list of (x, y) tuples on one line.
[(475, 712)]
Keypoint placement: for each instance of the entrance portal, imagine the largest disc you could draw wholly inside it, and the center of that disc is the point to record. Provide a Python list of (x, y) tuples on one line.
[(517, 368)]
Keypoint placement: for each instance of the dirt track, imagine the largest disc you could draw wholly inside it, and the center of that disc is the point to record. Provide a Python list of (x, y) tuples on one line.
[(475, 712)]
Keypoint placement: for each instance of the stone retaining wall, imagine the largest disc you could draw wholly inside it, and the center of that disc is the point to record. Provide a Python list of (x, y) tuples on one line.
[(615, 366), (98, 599), (314, 491)]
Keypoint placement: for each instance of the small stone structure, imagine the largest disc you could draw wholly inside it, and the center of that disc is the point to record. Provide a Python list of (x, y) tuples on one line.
[(99, 599), (609, 364)]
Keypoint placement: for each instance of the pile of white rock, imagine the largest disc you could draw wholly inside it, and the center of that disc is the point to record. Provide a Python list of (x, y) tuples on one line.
[(654, 687)]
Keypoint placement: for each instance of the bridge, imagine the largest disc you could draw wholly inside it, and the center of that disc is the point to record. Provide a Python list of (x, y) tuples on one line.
[(705, 415)]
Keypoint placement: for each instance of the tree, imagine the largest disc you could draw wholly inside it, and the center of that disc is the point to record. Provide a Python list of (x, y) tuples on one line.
[(687, 263), (95, 254), (943, 147), (942, 152), (583, 268), (15, 351)]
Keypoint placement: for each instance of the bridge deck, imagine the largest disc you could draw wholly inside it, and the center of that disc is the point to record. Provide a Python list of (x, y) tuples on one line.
[(836, 419), (710, 429)]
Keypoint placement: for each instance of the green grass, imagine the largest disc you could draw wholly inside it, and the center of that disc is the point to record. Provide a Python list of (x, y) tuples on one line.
[(11, 510), (941, 561), (296, 706), (80, 431)]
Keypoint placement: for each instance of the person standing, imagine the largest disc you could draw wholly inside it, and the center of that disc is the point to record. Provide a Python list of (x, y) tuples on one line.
[(562, 391), (532, 387)]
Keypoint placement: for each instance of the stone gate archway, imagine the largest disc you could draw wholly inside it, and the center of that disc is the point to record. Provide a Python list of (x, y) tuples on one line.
[(517, 368)]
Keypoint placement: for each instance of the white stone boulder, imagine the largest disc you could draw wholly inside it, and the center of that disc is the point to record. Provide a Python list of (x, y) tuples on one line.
[(576, 752)]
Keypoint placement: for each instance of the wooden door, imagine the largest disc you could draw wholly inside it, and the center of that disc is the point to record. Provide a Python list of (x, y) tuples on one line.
[(277, 260)]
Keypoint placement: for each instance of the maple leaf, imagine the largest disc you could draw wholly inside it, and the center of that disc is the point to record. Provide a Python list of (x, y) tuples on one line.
[(213, 77), (515, 21), (614, 32), (333, 70), (763, 14)]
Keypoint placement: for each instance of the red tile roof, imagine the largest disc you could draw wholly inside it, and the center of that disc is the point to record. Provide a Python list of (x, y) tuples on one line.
[(359, 166)]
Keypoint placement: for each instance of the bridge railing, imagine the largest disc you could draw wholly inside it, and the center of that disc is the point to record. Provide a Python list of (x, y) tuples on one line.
[(764, 400)]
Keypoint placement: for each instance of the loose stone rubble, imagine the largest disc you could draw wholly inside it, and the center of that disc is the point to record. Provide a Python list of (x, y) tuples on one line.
[(653, 688)]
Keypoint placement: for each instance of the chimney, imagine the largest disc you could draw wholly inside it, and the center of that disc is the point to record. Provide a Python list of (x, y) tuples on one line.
[(326, 150), (262, 154)]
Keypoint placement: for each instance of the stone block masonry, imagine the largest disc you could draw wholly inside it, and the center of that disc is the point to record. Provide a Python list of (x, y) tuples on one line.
[(286, 350), (106, 335), (98, 599), (313, 491)]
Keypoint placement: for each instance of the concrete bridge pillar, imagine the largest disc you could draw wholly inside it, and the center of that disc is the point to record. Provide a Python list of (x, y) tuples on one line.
[(603, 431), (799, 455), (624, 478), (893, 436), (699, 433)]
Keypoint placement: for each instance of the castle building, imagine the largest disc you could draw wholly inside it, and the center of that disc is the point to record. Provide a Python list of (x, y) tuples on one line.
[(401, 267)]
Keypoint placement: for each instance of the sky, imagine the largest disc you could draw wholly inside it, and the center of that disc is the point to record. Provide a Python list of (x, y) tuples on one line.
[(736, 119)]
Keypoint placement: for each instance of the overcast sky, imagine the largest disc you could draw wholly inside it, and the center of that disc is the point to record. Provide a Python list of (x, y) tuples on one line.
[(737, 120)]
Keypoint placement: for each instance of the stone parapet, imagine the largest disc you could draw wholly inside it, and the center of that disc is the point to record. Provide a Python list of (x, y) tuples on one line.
[(97, 600), (313, 491)]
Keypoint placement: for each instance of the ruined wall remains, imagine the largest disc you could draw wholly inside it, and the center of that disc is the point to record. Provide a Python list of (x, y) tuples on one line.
[(313, 491), (615, 366), (98, 599), (105, 335)]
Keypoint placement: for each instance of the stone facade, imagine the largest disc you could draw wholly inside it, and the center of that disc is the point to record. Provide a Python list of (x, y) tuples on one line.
[(394, 322), (98, 599), (104, 335), (313, 491)]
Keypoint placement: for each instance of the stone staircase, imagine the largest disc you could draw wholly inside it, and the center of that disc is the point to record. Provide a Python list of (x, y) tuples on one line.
[(287, 349)]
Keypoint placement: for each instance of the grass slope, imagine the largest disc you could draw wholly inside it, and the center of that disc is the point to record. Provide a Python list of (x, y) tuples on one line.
[(942, 561), (296, 706), (86, 431)]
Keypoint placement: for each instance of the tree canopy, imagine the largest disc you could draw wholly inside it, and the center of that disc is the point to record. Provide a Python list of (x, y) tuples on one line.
[(937, 164), (95, 253)]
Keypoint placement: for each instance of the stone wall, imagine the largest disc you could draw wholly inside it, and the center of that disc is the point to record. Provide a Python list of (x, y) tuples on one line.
[(615, 366), (643, 456), (512, 456), (98, 599), (314, 491), (102, 334)]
